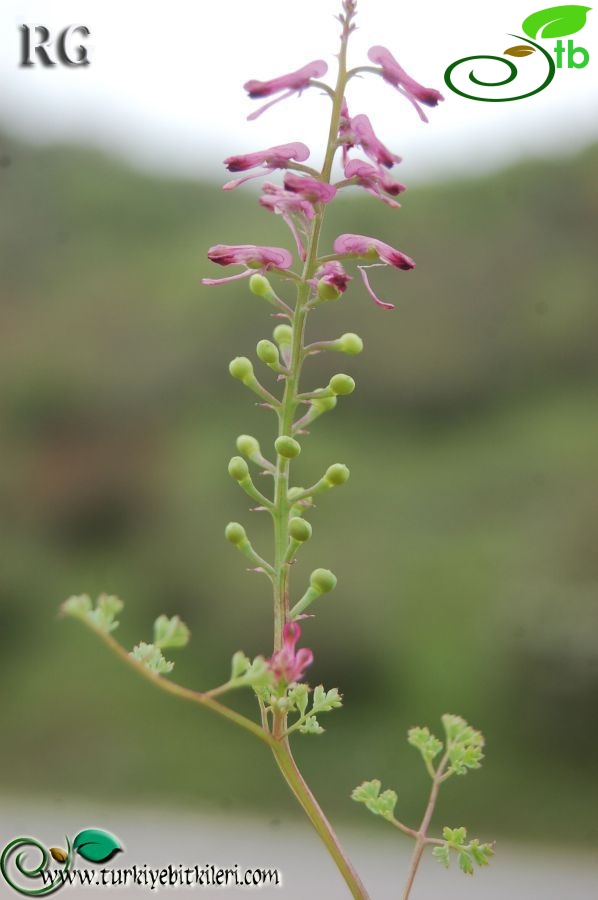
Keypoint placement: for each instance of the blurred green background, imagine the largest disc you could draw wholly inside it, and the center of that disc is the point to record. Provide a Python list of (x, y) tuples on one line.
[(464, 543)]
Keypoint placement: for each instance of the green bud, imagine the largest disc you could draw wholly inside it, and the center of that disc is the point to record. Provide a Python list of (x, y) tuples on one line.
[(287, 447), (342, 384), (261, 287), (322, 580), (235, 533), (295, 492), (283, 335), (268, 353), (299, 529), (324, 404), (238, 468), (349, 343), (337, 474), (248, 446), (241, 368), (327, 291)]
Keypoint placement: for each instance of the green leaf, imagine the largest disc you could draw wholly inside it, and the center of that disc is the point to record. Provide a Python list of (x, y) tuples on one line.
[(443, 855), (170, 632), (105, 612), (428, 745), (78, 606), (456, 836), (465, 863), (464, 744), (556, 21), (481, 853), (239, 665), (311, 726), (151, 657), (299, 697), (324, 701), (381, 804), (96, 845)]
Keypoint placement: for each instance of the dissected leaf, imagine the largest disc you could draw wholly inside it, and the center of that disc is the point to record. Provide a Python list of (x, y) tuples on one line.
[(556, 21), (170, 632), (520, 50)]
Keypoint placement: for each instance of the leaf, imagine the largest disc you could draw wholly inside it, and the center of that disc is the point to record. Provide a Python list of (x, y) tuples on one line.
[(151, 657), (381, 804), (442, 854), (556, 21), (170, 632), (96, 845), (520, 50)]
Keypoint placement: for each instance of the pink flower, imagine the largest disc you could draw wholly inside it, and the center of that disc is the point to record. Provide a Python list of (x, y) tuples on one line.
[(254, 258), (363, 134), (332, 273), (293, 83), (371, 248), (272, 158), (288, 204), (286, 664), (375, 180), (310, 188), (398, 77)]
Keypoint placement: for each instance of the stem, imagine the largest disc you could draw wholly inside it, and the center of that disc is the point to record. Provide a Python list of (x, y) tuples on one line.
[(422, 839), (203, 699), (293, 777), (286, 415)]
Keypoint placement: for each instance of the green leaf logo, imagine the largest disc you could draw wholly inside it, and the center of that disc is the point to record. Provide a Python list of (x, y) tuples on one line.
[(96, 845), (557, 21)]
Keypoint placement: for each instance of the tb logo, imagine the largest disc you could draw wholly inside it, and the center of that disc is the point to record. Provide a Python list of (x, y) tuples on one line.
[(38, 44)]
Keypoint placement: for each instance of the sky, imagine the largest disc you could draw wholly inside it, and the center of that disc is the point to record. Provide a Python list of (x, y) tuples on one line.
[(164, 84)]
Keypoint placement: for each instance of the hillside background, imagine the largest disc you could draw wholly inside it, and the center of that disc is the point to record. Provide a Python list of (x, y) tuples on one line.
[(464, 543)]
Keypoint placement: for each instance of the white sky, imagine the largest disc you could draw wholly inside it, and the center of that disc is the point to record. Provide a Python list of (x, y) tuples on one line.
[(164, 87)]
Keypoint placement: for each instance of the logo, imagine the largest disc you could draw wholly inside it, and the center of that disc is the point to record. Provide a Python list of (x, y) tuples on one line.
[(92, 844), (555, 22), (36, 40)]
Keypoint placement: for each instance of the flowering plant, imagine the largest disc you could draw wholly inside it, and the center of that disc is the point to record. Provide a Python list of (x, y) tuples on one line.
[(285, 701)]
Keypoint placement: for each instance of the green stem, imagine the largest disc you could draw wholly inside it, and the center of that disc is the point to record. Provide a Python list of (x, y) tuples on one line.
[(203, 699), (286, 416), (294, 779)]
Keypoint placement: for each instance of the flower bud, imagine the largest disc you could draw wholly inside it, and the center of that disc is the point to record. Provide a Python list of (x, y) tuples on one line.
[(295, 492), (235, 533), (299, 529), (324, 404), (322, 580), (248, 446), (283, 335), (241, 368), (337, 474), (261, 287), (287, 447), (327, 291), (349, 343), (268, 353), (342, 384), (238, 468)]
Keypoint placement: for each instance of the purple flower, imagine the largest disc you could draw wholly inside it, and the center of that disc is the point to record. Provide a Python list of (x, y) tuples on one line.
[(310, 188), (371, 248), (363, 134), (272, 158), (286, 664), (332, 273), (398, 77), (288, 204), (254, 258), (375, 180), (293, 83)]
